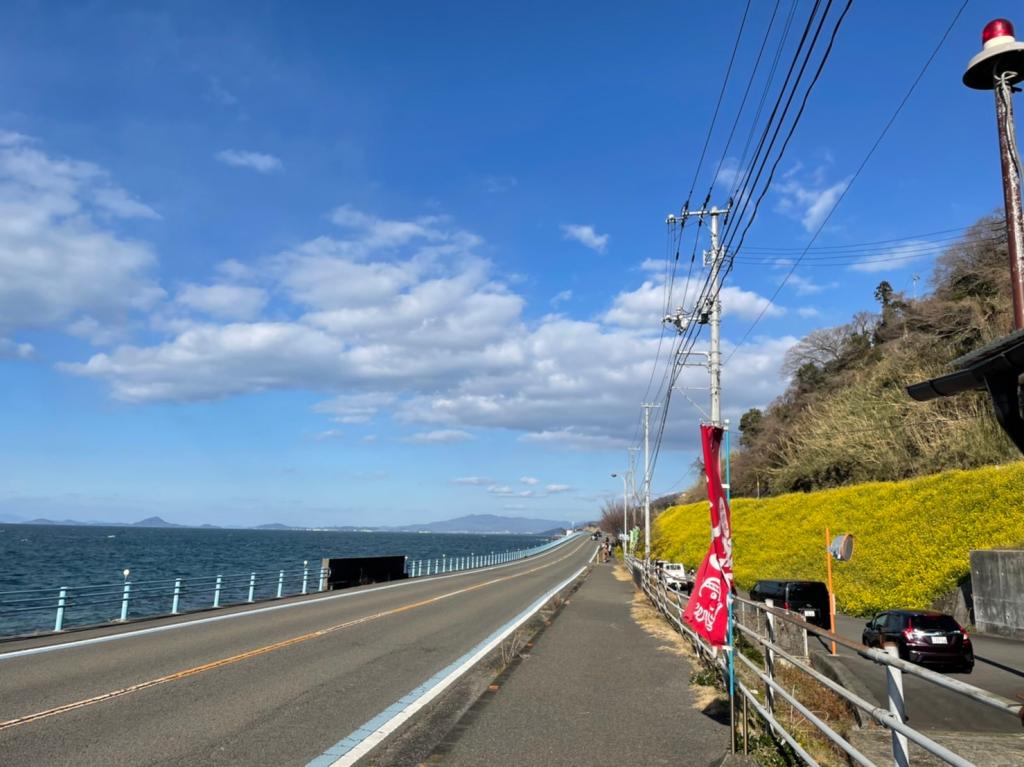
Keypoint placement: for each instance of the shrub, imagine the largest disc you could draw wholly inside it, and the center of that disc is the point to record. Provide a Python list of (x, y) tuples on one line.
[(912, 538)]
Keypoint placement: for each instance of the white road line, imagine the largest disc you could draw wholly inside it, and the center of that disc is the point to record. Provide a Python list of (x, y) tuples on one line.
[(355, 746), (246, 613)]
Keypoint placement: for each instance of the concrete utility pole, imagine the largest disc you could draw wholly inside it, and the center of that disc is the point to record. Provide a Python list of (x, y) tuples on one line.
[(632, 451), (711, 312), (647, 479), (999, 65), (625, 516)]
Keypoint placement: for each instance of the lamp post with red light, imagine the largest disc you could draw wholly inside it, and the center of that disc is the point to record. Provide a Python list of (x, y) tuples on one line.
[(998, 67)]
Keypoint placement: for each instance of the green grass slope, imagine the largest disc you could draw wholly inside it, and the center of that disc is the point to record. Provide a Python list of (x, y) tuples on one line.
[(912, 538)]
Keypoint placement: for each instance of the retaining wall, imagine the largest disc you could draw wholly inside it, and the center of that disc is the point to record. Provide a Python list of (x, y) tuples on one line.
[(997, 578)]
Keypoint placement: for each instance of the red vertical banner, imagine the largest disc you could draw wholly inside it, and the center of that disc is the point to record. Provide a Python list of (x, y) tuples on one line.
[(707, 611)]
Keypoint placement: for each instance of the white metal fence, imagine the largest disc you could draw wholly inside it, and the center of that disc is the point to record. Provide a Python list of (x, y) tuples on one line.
[(782, 637), (30, 611)]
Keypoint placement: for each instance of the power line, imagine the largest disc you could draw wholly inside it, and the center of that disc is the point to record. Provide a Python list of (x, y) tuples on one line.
[(855, 176), (796, 121), (690, 336), (917, 240)]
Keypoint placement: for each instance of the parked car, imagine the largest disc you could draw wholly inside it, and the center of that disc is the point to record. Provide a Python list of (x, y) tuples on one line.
[(923, 636), (676, 576), (808, 598)]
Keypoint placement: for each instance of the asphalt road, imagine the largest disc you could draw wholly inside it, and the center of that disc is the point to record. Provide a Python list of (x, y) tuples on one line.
[(998, 668), (596, 689), (274, 687)]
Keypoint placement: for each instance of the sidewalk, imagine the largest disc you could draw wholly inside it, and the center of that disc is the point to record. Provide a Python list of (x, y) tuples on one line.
[(596, 689)]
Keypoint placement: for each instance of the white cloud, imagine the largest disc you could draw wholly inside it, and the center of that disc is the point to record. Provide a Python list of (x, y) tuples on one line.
[(119, 203), (644, 307), (500, 490), (223, 300), (896, 257), (13, 350), (808, 312), (405, 317), (747, 304), (96, 332), (804, 286), (499, 184), (57, 261), (354, 408), (561, 297), (728, 174), (552, 489), (529, 480), (640, 308), (439, 436), (328, 434), (585, 235), (473, 481), (257, 161), (807, 197), (219, 94)]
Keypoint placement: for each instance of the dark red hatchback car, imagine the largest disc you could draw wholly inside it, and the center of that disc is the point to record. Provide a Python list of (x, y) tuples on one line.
[(923, 636)]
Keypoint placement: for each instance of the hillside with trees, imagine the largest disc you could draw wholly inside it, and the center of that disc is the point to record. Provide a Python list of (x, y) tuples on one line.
[(846, 417)]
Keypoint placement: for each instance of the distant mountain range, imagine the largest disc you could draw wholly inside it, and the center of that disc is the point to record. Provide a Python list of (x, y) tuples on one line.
[(473, 523), (147, 522), (488, 523)]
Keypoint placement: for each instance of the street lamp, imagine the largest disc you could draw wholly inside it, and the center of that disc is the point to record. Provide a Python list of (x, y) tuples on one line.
[(998, 66), (625, 510), (997, 366)]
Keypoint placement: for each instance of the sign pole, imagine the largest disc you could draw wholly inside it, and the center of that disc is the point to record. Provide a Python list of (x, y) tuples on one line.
[(831, 593)]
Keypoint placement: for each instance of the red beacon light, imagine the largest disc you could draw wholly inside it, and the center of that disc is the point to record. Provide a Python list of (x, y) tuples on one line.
[(1000, 55), (996, 29)]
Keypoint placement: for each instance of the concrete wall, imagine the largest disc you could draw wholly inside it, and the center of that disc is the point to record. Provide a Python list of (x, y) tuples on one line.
[(997, 577)]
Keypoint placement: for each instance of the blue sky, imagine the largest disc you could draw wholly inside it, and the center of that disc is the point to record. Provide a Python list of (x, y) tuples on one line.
[(327, 264)]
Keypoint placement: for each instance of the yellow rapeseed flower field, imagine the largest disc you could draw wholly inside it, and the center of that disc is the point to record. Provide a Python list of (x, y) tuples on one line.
[(912, 538)]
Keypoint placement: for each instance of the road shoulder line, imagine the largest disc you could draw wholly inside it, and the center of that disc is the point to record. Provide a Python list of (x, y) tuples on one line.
[(364, 739)]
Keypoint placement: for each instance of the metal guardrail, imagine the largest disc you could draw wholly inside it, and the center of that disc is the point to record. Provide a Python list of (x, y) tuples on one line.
[(783, 636), (445, 564), (153, 598), (136, 599)]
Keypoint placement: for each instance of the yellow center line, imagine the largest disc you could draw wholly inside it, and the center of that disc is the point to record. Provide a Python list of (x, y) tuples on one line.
[(267, 648)]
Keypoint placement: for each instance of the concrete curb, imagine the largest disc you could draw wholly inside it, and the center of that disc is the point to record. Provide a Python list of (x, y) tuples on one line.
[(836, 670)]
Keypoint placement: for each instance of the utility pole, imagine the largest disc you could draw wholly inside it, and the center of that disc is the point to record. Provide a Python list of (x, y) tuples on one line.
[(632, 451), (625, 522), (997, 67), (647, 480), (711, 312)]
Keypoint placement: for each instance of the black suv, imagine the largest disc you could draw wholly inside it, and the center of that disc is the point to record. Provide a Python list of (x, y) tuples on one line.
[(808, 598), (923, 636)]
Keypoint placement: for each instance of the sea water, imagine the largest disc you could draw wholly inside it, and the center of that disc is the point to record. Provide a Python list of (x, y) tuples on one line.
[(44, 558)]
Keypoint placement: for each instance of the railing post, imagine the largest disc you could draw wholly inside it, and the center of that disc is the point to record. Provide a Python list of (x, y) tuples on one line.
[(62, 600), (769, 657), (124, 600), (177, 596), (305, 576), (894, 688), (252, 587), (216, 591), (325, 573), (280, 584)]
